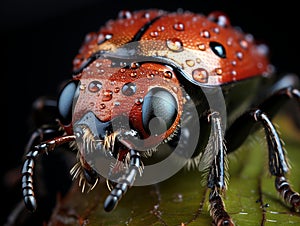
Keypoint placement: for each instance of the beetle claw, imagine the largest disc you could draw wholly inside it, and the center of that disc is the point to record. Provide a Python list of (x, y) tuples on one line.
[(110, 203), (30, 203)]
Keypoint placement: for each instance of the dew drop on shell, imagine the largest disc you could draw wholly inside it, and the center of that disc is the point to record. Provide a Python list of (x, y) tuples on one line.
[(94, 86), (200, 75), (175, 44)]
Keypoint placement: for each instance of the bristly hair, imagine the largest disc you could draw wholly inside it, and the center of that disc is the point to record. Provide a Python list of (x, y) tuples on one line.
[(216, 142)]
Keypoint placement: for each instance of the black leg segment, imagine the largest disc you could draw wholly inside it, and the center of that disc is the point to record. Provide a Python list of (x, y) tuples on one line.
[(135, 167), (28, 168), (216, 180)]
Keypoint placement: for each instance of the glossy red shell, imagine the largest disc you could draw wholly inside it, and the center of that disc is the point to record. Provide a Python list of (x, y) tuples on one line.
[(183, 38)]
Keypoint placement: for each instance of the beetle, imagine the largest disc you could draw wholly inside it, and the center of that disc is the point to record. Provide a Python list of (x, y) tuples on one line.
[(152, 83)]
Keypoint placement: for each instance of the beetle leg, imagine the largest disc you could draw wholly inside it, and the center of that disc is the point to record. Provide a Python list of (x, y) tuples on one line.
[(277, 163), (28, 167), (244, 125), (217, 175), (43, 116), (274, 103), (121, 188)]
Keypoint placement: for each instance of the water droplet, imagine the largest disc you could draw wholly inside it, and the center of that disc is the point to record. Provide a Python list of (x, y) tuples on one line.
[(129, 89), (108, 36), (233, 73), (175, 44), (190, 63), (107, 95), (205, 34), (154, 34), (101, 71), (244, 44), (220, 18), (117, 103), (229, 41), (233, 63), (200, 75), (102, 106), (117, 89), (175, 89), (262, 49), (89, 37), (178, 26), (216, 30), (218, 71), (102, 37), (124, 14), (168, 74), (150, 76), (94, 86), (82, 87), (134, 65), (146, 15), (138, 101), (122, 70), (133, 74), (198, 60), (160, 28), (249, 37), (98, 64), (239, 55), (202, 46), (123, 64)]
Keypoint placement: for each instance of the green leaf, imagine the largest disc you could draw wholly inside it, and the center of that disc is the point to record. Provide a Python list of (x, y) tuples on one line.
[(251, 198)]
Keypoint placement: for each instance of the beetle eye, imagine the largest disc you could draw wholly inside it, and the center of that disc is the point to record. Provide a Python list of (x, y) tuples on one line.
[(159, 111), (65, 101), (218, 49)]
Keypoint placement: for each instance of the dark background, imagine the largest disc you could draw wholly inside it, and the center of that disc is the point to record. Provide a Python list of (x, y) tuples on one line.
[(41, 38)]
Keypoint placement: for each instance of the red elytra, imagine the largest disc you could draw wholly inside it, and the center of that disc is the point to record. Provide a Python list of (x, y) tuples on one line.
[(184, 32)]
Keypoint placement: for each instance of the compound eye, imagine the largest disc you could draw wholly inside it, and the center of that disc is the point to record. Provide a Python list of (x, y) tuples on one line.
[(218, 49), (65, 101), (159, 111)]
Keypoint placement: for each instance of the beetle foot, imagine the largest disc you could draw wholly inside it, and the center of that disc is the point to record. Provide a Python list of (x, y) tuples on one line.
[(218, 212), (224, 222), (287, 193), (114, 197), (296, 203)]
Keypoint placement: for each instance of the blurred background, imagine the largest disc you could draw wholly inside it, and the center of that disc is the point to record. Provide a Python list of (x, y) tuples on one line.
[(41, 38)]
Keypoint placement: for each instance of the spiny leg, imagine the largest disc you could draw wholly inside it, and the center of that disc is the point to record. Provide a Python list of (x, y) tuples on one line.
[(217, 176), (278, 166), (265, 111), (135, 166), (28, 167)]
